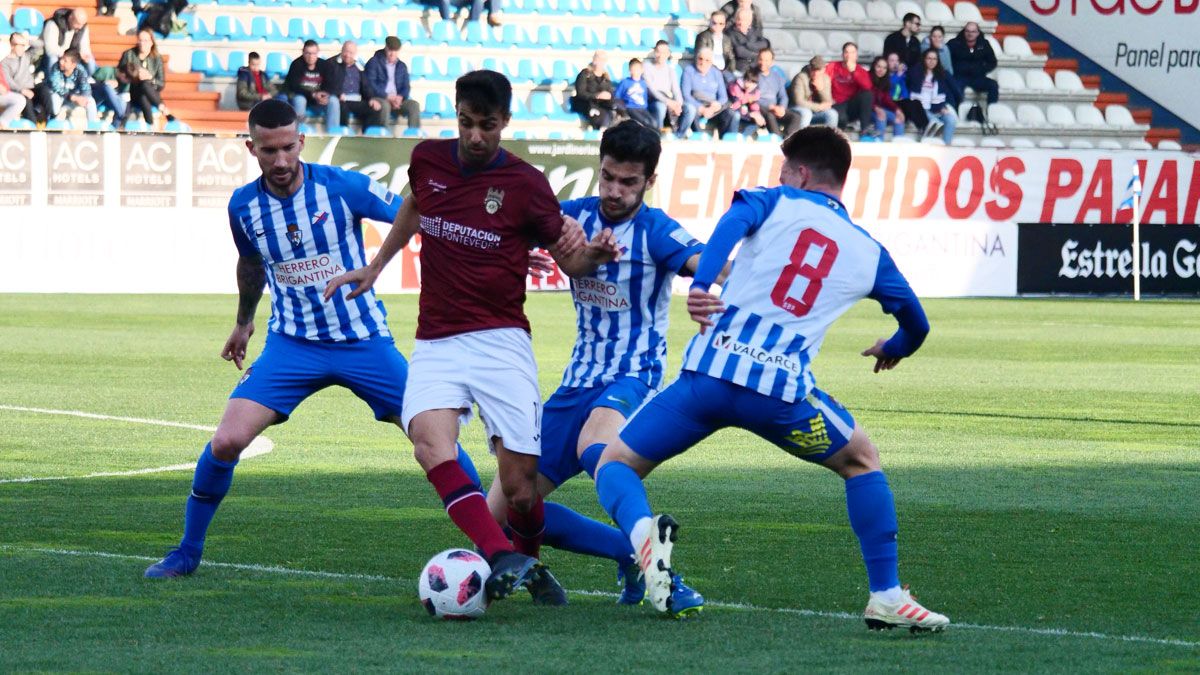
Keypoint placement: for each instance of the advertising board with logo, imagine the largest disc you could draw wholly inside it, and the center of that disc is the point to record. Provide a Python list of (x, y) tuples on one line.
[(75, 170), (1074, 258), (16, 170), (219, 166), (148, 170)]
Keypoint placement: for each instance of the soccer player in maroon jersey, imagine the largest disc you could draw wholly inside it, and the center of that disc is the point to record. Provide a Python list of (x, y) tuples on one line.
[(479, 209)]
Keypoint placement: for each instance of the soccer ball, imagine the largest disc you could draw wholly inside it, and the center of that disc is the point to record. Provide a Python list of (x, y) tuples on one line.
[(451, 585)]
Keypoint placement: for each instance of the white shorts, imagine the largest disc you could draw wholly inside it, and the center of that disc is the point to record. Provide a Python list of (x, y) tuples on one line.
[(494, 369)]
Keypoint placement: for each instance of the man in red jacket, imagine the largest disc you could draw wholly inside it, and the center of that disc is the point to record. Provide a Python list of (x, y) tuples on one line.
[(851, 89)]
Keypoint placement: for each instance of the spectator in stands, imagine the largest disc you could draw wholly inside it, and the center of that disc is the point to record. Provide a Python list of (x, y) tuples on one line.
[(253, 85), (914, 113), (904, 42), (811, 95), (937, 40), (704, 87), (665, 96), (387, 76), (12, 103), (937, 96), (744, 99), (747, 41), (18, 69), (494, 10), (972, 58), (68, 28), (353, 90), (887, 112), (714, 39), (593, 98), (731, 8), (143, 77), (633, 93), (773, 90), (309, 83), (66, 88), (850, 85)]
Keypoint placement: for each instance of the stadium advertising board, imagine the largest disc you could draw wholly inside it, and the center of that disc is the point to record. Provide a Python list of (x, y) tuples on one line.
[(1076, 258), (16, 170), (75, 166), (148, 170), (219, 166), (1153, 45)]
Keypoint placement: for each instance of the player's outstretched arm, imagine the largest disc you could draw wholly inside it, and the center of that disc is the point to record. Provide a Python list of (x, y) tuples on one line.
[(576, 256), (406, 224), (251, 278), (702, 306), (897, 298)]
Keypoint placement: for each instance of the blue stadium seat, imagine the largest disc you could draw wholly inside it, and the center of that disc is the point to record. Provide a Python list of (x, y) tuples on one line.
[(445, 33), (638, 8), (136, 125), (57, 125), (556, 136), (408, 31), (438, 106), (177, 127), (518, 108), (99, 125), (615, 38), (563, 70), (412, 133), (236, 60), (604, 7), (307, 129), (514, 36), (650, 36), (543, 104), (200, 31), (570, 7), (277, 64), (492, 63), (591, 135), (529, 71), (699, 136), (302, 29), (456, 66), (377, 132), (338, 130), (549, 36), (685, 38), (204, 61), (5, 26), (233, 2), (584, 37), (262, 28), (28, 20), (732, 136), (337, 29), (447, 133), (373, 30), (479, 34), (423, 67), (22, 124), (230, 28), (520, 135)]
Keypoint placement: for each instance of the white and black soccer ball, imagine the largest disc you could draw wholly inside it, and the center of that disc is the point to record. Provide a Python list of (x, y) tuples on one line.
[(451, 585)]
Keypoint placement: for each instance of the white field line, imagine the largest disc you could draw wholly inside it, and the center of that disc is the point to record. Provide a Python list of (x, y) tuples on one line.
[(260, 446), (274, 569)]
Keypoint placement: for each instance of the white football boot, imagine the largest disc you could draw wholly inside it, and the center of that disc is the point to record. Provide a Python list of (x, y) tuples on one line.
[(907, 613), (654, 556)]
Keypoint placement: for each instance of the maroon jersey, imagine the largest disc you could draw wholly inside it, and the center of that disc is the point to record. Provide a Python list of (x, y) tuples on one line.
[(476, 231)]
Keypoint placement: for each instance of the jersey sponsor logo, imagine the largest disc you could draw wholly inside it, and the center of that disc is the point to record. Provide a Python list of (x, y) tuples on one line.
[(245, 376), (314, 271), (493, 201), (811, 442), (295, 234), (436, 186), (459, 234), (260, 233), (727, 342), (319, 219), (602, 294)]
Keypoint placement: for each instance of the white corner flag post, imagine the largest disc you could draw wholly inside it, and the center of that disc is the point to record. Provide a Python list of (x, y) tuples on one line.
[(1133, 198)]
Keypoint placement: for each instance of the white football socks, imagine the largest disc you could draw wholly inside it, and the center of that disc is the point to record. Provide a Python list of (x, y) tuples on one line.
[(890, 596), (638, 536)]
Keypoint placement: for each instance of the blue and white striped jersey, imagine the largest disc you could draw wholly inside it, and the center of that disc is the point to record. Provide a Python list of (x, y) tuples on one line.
[(802, 264), (308, 239), (621, 308)]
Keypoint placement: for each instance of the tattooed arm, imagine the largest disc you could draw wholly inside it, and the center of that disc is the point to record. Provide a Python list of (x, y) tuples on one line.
[(251, 278)]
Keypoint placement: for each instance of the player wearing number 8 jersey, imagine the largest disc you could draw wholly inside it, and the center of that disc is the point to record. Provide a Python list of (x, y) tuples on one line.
[(802, 264)]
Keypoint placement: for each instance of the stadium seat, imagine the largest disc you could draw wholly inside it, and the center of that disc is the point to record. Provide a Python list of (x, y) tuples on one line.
[(563, 71), (1016, 46), (683, 38), (514, 36), (447, 133), (603, 7), (457, 66), (543, 104), (638, 8), (22, 124), (768, 10), (851, 10), (731, 136), (878, 10), (1029, 115), (1060, 115), (1009, 79), (549, 36), (28, 20), (838, 38), (870, 44), (53, 124), (177, 127), (906, 6), (999, 114), (261, 28), (1067, 81), (373, 31), (337, 29), (479, 33), (937, 12), (1038, 80), (699, 136), (409, 31), (492, 63), (518, 108), (520, 135), (302, 29), (992, 142), (811, 42), (528, 70), (205, 61), (445, 33), (594, 135), (962, 142), (99, 125), (650, 36), (1169, 145), (793, 9), (136, 125), (423, 67), (228, 28), (5, 25), (1051, 144), (1088, 115), (307, 129), (967, 11), (1080, 144), (235, 60), (1109, 144), (377, 132), (1118, 116), (822, 10), (616, 38), (1139, 144), (438, 106), (338, 130), (409, 132), (277, 64), (571, 7), (782, 41)]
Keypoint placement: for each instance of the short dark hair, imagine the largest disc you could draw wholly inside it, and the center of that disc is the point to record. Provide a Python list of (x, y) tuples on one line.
[(937, 29), (849, 44), (635, 60), (271, 114), (73, 54), (909, 17), (752, 74), (765, 50), (630, 141), (310, 43), (253, 56), (661, 42), (484, 92), (823, 150)]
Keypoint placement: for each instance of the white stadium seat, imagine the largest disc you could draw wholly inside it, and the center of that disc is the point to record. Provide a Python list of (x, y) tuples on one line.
[(851, 10), (962, 142), (1039, 80), (1000, 115), (870, 43), (967, 11), (1089, 115), (1109, 144), (822, 9), (992, 142), (781, 40), (1015, 45), (1051, 144), (1010, 79), (905, 6), (1065, 80), (1023, 143), (1059, 115), (768, 10), (879, 10), (1080, 144), (1030, 115), (792, 9), (1139, 145), (812, 41), (1169, 145), (937, 12), (838, 38), (1118, 116), (995, 45)]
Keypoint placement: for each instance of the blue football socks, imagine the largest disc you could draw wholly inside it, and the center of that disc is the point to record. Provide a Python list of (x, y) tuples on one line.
[(622, 495), (209, 487), (590, 457), (872, 513), (572, 531), (468, 467)]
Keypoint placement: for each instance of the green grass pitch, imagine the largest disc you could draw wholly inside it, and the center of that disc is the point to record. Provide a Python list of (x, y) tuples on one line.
[(1045, 456)]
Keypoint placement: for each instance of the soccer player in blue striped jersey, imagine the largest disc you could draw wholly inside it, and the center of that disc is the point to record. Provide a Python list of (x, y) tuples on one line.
[(295, 228), (621, 317), (801, 265)]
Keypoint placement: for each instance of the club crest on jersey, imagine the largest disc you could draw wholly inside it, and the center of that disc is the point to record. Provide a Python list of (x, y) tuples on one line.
[(295, 235), (493, 201)]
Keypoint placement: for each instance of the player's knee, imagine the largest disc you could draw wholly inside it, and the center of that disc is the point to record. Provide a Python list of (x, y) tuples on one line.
[(522, 499), (858, 457), (228, 444)]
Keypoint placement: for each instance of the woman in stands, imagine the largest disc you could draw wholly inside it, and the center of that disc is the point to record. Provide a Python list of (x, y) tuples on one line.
[(930, 86), (143, 77), (885, 107)]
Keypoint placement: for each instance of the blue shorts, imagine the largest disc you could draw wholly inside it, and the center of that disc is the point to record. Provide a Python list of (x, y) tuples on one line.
[(696, 405), (565, 413), (291, 369)]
